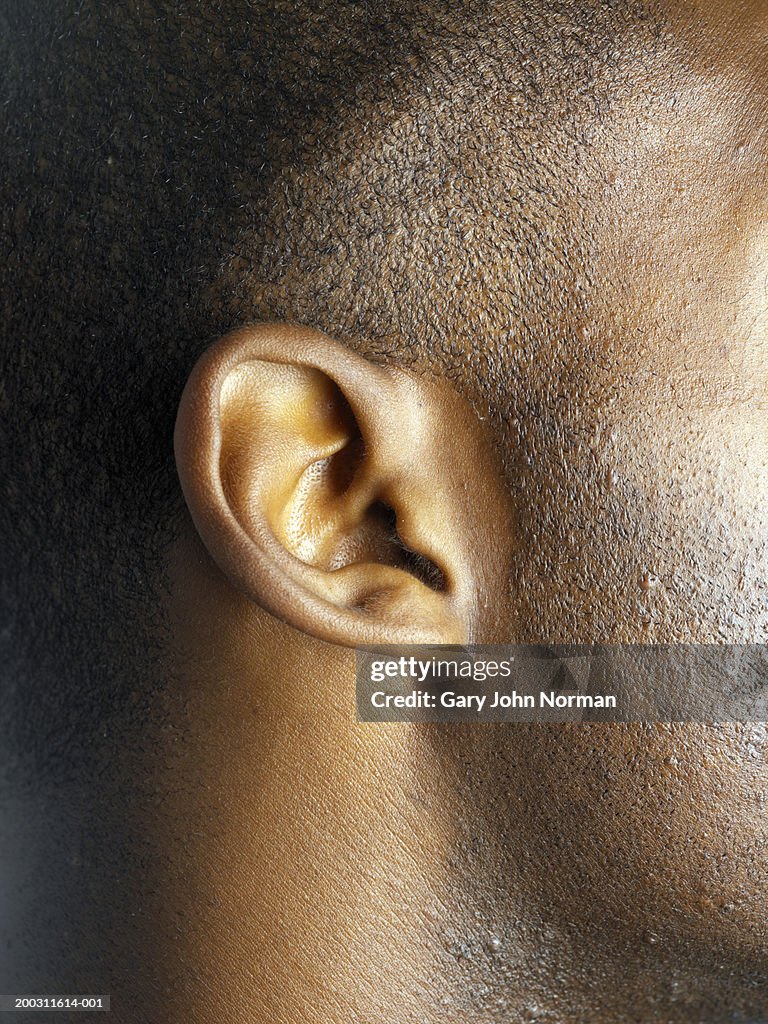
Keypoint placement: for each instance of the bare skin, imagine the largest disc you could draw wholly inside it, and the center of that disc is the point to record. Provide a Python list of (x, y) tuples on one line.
[(606, 482), (601, 873)]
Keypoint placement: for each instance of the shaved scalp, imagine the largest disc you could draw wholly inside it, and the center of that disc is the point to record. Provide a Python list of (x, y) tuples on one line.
[(414, 178)]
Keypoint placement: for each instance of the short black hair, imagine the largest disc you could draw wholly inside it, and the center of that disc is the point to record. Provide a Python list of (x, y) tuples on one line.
[(173, 169)]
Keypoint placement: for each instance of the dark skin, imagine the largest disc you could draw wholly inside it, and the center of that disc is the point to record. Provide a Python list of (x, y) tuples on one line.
[(331, 872), (570, 873)]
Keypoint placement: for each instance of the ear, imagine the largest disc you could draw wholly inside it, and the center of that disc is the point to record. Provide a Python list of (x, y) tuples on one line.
[(334, 492)]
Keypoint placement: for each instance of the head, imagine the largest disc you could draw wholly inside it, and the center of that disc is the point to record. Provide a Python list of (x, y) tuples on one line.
[(458, 312)]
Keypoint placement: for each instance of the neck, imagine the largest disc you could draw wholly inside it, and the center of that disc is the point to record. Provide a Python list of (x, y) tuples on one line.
[(329, 871)]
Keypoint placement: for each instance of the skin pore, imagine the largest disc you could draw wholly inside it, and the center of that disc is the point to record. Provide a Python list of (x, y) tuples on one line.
[(535, 331)]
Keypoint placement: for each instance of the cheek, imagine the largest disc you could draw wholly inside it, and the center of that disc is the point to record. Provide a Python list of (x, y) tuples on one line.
[(665, 826), (634, 837), (642, 519), (698, 481)]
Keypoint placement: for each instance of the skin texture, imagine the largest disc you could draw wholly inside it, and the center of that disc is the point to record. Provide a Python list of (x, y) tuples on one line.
[(558, 384), (600, 872)]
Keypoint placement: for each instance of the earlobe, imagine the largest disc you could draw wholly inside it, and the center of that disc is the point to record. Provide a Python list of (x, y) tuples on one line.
[(319, 483)]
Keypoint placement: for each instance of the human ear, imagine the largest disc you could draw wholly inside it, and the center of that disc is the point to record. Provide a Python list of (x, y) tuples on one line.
[(334, 492)]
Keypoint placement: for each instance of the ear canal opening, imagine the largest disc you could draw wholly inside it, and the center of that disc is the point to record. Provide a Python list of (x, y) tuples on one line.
[(418, 565)]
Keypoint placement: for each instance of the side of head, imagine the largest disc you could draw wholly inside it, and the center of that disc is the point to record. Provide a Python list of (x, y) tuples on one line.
[(157, 201), (490, 365)]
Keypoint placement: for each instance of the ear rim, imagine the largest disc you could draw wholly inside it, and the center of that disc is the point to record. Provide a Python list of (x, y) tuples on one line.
[(257, 564)]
